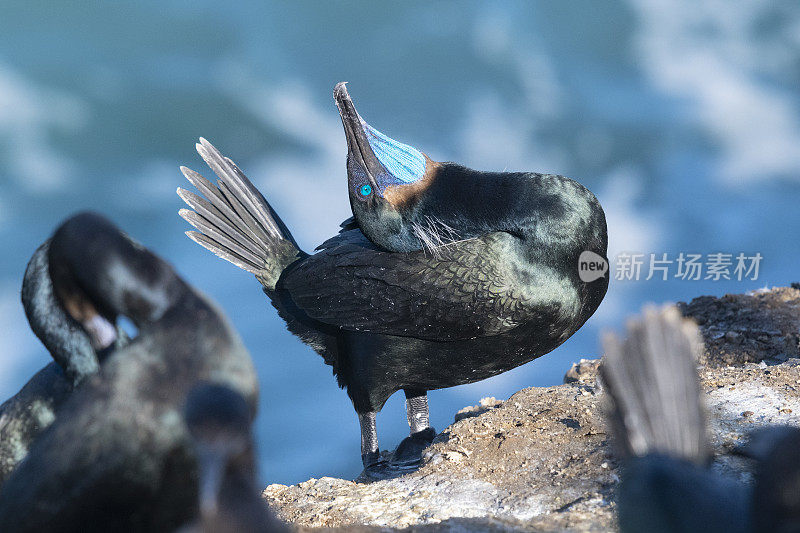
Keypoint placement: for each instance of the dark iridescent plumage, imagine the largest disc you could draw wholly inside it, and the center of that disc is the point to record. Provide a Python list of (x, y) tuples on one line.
[(220, 424), (29, 412), (658, 422), (118, 456), (442, 277)]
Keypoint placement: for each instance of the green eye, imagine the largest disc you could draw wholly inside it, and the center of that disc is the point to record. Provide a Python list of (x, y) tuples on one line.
[(365, 190)]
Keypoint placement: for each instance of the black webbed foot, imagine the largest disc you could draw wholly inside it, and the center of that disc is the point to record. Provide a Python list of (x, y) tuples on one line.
[(376, 468), (408, 454)]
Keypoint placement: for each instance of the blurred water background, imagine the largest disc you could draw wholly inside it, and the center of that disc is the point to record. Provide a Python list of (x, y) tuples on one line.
[(682, 116)]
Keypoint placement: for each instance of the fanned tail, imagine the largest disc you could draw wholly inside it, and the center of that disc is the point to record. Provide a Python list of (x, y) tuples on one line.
[(234, 221), (651, 379)]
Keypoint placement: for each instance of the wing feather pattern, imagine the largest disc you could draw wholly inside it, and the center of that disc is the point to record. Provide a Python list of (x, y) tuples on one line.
[(460, 293)]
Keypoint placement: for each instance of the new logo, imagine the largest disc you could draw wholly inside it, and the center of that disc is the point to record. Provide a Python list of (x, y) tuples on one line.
[(591, 266)]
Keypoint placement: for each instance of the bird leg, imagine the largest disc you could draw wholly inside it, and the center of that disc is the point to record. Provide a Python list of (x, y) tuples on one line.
[(417, 410), (370, 454), (408, 453)]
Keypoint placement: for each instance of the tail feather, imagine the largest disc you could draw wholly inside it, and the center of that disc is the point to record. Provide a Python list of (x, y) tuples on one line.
[(207, 211), (227, 255), (234, 221), (651, 379), (245, 218), (221, 208), (244, 191), (237, 245)]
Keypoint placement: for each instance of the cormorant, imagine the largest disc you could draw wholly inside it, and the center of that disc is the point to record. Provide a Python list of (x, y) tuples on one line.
[(776, 489), (219, 422), (657, 420), (77, 354), (118, 455), (444, 275)]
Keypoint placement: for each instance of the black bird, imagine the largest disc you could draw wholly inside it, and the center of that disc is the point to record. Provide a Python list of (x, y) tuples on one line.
[(77, 353), (657, 420), (219, 422), (776, 491), (118, 456), (444, 275)]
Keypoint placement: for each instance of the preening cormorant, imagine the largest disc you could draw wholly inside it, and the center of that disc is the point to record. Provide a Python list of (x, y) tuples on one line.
[(118, 456), (444, 275), (219, 422), (657, 420), (77, 354)]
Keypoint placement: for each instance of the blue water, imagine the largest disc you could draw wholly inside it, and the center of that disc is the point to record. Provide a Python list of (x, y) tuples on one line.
[(683, 117)]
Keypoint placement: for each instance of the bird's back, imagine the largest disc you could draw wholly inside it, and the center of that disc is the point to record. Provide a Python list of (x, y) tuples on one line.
[(31, 410)]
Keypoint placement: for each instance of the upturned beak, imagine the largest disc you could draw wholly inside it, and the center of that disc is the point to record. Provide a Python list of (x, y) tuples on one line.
[(359, 151)]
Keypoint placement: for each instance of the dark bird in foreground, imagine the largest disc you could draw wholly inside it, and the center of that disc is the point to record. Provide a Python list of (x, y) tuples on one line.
[(219, 422), (444, 275), (118, 456), (658, 423), (77, 351)]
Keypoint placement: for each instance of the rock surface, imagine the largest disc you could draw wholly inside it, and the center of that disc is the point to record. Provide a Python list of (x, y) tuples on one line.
[(541, 460)]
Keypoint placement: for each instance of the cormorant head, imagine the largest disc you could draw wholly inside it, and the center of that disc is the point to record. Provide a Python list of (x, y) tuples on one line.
[(219, 422), (97, 322), (100, 326), (75, 350), (386, 178), (99, 273)]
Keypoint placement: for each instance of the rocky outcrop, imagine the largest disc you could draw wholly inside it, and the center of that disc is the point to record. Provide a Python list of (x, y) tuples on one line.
[(541, 460)]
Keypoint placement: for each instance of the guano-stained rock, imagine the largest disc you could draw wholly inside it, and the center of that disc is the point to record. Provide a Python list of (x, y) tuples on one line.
[(541, 460)]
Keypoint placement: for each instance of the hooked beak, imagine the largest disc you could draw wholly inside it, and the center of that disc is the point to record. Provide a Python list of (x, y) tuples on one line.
[(102, 332), (358, 147)]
